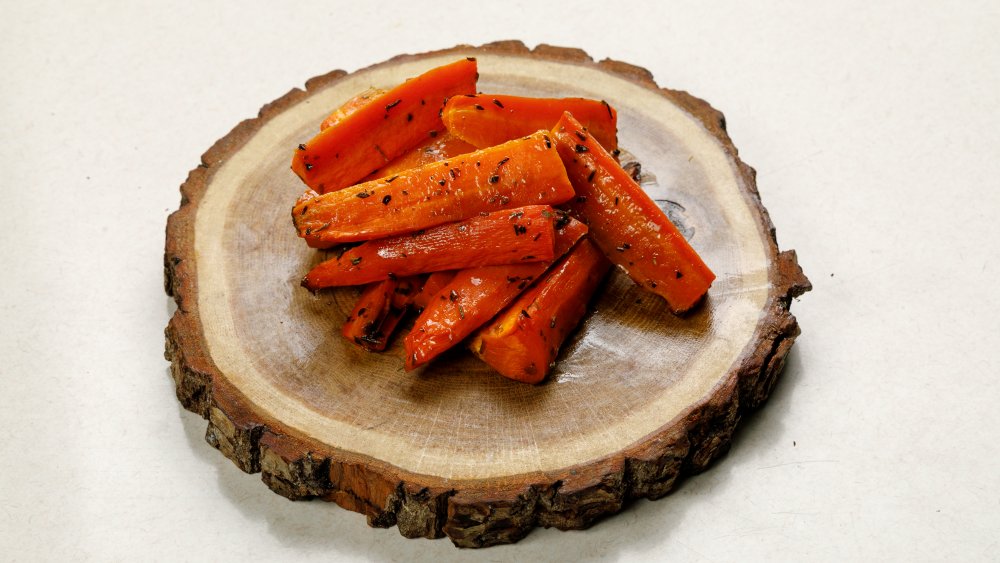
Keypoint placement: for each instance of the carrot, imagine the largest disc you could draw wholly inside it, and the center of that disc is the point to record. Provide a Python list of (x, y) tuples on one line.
[(476, 295), (364, 325), (439, 148), (378, 311), (523, 341), (350, 106), (520, 235), (523, 172), (627, 225), (381, 129), (406, 290), (489, 119), (432, 286)]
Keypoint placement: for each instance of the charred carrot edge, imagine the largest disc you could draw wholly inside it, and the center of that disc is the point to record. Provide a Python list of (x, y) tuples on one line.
[(476, 295), (488, 119), (407, 290), (381, 129), (432, 286), (627, 225), (520, 235), (378, 311), (527, 171), (364, 325), (440, 148), (351, 106), (523, 342)]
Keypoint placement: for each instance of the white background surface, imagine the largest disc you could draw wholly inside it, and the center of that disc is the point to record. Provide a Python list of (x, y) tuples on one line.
[(875, 130)]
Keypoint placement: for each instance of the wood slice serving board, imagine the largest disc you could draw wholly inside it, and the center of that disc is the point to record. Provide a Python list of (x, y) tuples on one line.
[(639, 397)]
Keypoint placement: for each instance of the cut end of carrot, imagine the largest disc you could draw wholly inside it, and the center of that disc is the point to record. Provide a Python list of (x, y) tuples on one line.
[(626, 224)]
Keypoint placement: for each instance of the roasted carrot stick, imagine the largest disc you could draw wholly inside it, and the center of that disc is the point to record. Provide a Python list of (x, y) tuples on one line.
[(378, 311), (627, 225), (407, 290), (523, 341), (382, 129), (350, 106), (476, 295), (523, 172), (488, 119), (432, 286), (439, 148), (520, 235), (364, 325)]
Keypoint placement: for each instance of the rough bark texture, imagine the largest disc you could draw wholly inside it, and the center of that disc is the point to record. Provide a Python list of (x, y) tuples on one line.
[(470, 513)]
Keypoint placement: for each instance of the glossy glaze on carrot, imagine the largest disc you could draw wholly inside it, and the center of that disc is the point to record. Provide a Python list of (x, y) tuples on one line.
[(484, 120), (476, 295), (434, 283), (526, 171), (523, 342), (385, 127), (439, 148), (627, 225), (519, 235)]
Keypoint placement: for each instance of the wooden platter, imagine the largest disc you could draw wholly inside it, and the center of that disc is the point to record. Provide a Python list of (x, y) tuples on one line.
[(638, 399)]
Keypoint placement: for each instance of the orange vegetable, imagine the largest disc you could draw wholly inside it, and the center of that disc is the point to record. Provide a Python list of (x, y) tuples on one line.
[(627, 225), (385, 127), (439, 148), (349, 107), (489, 119), (476, 295), (523, 172), (432, 286), (520, 235), (407, 290), (366, 325), (522, 342), (378, 311)]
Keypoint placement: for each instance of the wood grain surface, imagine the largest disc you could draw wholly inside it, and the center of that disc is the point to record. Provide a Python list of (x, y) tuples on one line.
[(639, 398)]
